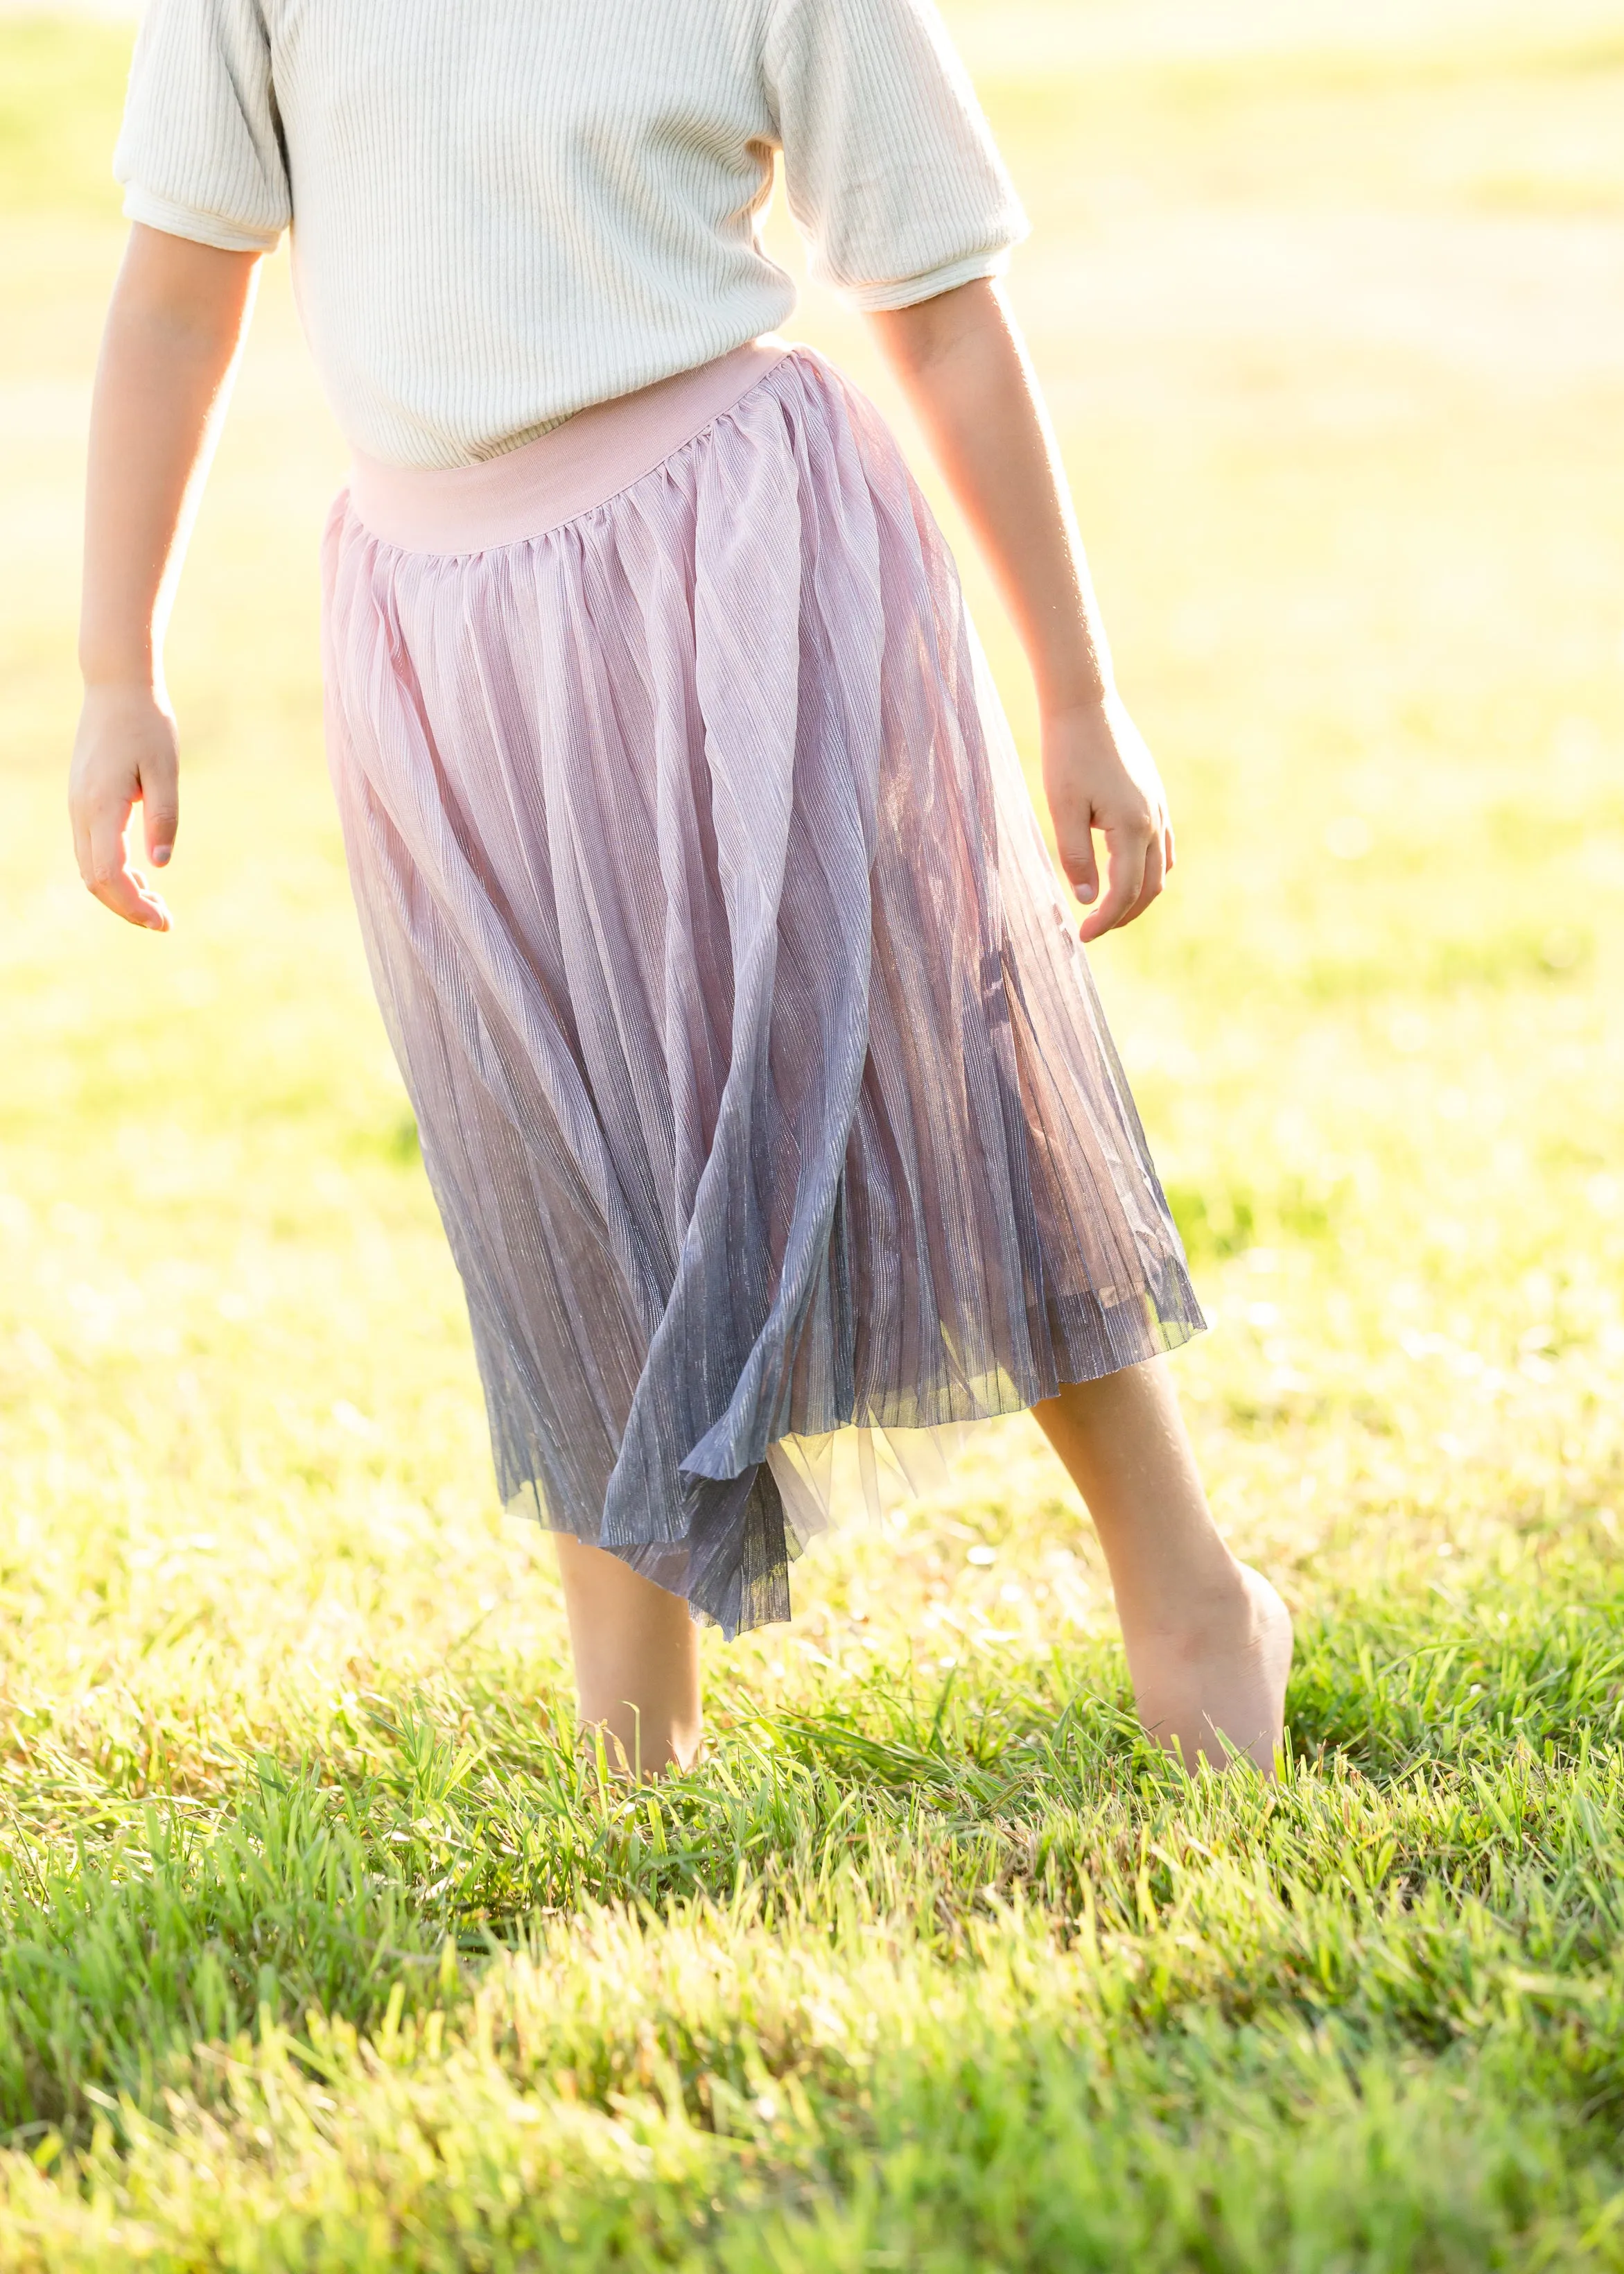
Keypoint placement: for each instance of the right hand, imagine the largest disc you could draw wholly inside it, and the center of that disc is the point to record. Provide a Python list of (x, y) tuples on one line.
[(124, 755)]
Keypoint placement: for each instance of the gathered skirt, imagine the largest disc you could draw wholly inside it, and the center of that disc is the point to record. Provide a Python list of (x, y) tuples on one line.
[(760, 1077)]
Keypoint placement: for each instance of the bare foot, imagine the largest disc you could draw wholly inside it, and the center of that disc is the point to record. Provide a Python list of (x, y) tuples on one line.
[(1216, 1685)]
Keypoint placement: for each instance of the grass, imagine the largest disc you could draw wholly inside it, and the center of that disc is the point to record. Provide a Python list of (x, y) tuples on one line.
[(323, 1948)]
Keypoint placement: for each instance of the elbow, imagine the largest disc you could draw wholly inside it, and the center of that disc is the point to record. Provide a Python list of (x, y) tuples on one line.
[(923, 333), (193, 297)]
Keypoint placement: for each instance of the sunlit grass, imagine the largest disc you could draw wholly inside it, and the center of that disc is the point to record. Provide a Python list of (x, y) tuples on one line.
[(323, 1948)]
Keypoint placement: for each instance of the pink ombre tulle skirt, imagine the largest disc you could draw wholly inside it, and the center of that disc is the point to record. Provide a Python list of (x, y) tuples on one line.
[(761, 1080)]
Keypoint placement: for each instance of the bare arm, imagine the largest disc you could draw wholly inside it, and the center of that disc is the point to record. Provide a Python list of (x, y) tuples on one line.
[(177, 314), (960, 361)]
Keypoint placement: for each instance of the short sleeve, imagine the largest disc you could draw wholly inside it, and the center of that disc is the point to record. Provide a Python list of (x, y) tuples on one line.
[(890, 169), (200, 154)]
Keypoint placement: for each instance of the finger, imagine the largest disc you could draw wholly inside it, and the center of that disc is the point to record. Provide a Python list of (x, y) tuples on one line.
[(104, 821), (160, 808), (81, 841), (1124, 870), (1169, 850), (128, 895), (110, 876), (1155, 876), (82, 815), (1080, 870)]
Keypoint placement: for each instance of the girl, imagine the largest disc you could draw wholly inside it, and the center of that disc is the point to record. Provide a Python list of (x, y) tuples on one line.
[(761, 1080)]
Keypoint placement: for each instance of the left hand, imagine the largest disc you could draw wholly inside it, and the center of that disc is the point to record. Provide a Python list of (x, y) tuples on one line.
[(1098, 774), (123, 756)]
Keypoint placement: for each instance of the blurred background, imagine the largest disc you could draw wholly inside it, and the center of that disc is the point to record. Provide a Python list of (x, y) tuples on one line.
[(1328, 301)]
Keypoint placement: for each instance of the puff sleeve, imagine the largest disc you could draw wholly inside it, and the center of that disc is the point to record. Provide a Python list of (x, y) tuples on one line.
[(200, 154), (890, 169)]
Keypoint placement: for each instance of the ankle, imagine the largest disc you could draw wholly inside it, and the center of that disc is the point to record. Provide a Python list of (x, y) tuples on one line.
[(1210, 1679), (638, 1746), (1190, 1611)]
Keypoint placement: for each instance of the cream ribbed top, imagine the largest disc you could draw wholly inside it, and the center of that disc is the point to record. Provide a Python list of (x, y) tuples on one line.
[(504, 210)]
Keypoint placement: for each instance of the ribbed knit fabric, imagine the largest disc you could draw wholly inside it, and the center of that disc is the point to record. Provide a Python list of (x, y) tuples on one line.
[(760, 1079), (504, 210)]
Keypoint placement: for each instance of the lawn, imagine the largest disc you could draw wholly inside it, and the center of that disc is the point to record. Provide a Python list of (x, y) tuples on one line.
[(323, 1946)]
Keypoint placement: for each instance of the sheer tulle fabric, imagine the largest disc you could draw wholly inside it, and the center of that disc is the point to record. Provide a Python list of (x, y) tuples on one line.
[(762, 1083)]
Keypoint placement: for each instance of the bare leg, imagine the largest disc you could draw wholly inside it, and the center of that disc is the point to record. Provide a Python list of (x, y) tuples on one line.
[(636, 1652), (1208, 1640)]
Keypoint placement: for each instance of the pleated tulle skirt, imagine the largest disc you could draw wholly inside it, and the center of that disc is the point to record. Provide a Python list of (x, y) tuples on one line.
[(760, 1080)]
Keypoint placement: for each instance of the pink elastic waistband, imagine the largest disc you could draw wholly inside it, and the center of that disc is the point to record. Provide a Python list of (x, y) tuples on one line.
[(564, 473)]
